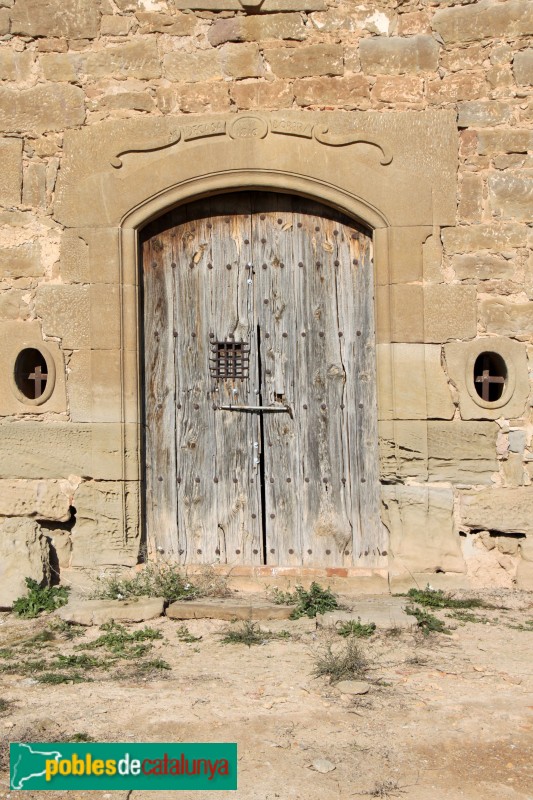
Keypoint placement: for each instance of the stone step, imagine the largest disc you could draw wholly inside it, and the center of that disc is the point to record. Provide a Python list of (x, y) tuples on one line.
[(384, 612), (96, 612), (227, 610)]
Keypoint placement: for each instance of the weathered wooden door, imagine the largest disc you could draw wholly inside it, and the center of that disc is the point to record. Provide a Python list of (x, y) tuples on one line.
[(260, 402)]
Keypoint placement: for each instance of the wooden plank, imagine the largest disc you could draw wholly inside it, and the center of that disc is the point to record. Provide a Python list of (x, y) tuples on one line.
[(159, 400), (218, 493)]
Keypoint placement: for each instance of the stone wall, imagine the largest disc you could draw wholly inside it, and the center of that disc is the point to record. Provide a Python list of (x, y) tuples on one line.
[(457, 474)]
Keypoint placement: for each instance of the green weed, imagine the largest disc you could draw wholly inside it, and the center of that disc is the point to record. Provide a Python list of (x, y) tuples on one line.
[(118, 641), (250, 633), (39, 599), (79, 737), (164, 581), (354, 627), (527, 625), (345, 664), (436, 598), (5, 705), (427, 622), (184, 635), (308, 602), (55, 678), (467, 616)]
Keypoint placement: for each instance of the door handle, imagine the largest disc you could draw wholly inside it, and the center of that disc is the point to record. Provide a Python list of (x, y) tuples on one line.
[(251, 409)]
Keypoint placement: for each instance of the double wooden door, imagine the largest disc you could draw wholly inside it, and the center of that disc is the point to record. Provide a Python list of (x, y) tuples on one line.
[(260, 403)]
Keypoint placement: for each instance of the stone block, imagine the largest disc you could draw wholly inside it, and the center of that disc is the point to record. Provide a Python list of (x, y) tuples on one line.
[(403, 450), (407, 313), (5, 21), (12, 305), (460, 362), (513, 471), (499, 510), (384, 612), (21, 262), (94, 385), (398, 89), (11, 171), (525, 548), (262, 94), (484, 20), (61, 66), (471, 198), (98, 612), (306, 62), (15, 66), (33, 451), (456, 88), (171, 24), (114, 25), (195, 97), (449, 312), (14, 337), (23, 554), (523, 67), (257, 29), (483, 113), (42, 108), (138, 59), (511, 194), (60, 548), (462, 452), (507, 318), (47, 500), (405, 253), (136, 101), (73, 19), (90, 255), (348, 92), (241, 60), (65, 313), (381, 55), (422, 534), (469, 238), (481, 267), (517, 441), (227, 609), (34, 185), (504, 141), (416, 386), (203, 65), (106, 531)]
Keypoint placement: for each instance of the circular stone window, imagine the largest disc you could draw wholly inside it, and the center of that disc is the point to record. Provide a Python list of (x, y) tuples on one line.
[(490, 376), (34, 375)]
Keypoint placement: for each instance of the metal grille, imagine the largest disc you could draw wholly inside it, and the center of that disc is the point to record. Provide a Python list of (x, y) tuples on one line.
[(230, 360)]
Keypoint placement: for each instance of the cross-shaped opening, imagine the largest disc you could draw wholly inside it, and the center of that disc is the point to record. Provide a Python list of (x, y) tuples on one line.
[(31, 373), (490, 375)]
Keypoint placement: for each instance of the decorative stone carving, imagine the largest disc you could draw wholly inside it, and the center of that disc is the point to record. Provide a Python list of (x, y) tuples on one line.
[(252, 126)]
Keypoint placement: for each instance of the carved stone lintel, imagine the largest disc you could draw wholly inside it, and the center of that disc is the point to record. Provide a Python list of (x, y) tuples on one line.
[(253, 126), (322, 135), (138, 147)]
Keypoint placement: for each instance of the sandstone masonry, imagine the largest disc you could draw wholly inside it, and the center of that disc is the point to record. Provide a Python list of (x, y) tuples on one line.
[(86, 83)]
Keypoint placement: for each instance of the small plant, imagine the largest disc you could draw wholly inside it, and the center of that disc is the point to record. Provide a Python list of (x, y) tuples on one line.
[(467, 616), (354, 627), (55, 678), (5, 705), (184, 635), (118, 641), (308, 602), (436, 598), (153, 581), (527, 625), (152, 665), (249, 633), (79, 737), (346, 664), (427, 622), (40, 599)]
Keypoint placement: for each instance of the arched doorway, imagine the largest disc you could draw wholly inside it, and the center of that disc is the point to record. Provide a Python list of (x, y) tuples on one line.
[(260, 401)]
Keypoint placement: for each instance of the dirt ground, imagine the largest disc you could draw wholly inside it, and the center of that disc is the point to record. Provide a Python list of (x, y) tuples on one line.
[(446, 716)]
